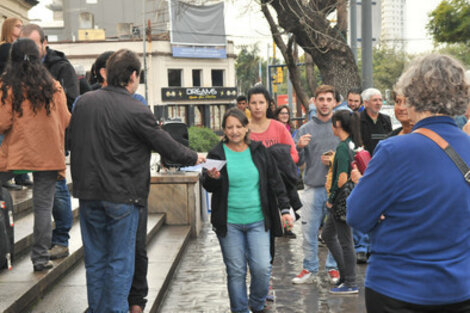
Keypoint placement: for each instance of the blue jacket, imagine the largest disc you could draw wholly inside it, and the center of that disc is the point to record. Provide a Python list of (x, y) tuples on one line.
[(420, 253)]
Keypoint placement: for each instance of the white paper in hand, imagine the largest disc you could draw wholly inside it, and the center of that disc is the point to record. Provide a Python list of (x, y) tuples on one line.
[(211, 163)]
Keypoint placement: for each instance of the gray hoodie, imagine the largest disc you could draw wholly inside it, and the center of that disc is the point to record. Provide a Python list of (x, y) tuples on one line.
[(322, 141)]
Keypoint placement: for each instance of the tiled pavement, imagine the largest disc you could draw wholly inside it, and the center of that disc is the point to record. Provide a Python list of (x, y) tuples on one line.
[(199, 285)]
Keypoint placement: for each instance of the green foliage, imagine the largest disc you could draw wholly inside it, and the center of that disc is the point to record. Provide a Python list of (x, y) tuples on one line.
[(450, 21), (459, 51), (388, 66), (202, 139), (247, 68)]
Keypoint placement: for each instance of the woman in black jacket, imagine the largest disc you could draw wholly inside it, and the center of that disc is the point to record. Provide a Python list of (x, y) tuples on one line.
[(243, 214)]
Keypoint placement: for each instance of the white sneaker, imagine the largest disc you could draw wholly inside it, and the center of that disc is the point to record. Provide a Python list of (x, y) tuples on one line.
[(305, 277)]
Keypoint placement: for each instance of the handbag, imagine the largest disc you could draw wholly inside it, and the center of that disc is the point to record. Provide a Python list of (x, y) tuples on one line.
[(338, 209), (339, 204)]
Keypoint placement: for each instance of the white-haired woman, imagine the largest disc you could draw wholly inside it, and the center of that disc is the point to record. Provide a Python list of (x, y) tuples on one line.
[(414, 201)]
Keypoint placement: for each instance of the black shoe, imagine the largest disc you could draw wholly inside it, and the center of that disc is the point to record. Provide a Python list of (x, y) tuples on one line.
[(43, 266), (25, 182), (11, 186), (361, 258), (289, 234)]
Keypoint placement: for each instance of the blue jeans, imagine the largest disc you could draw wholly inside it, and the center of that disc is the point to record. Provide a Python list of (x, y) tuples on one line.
[(108, 235), (62, 213), (361, 241), (313, 213), (246, 244)]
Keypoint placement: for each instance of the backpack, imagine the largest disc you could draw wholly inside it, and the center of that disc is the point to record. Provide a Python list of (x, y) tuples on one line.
[(7, 243)]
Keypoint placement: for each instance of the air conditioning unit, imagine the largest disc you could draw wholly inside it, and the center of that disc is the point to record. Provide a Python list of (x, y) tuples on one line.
[(124, 30)]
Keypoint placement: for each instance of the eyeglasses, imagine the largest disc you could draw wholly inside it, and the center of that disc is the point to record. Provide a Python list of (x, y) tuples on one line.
[(284, 113)]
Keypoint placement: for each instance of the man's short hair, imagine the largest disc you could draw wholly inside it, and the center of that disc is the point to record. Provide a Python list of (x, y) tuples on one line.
[(328, 88), (354, 91), (30, 28), (120, 66), (369, 92), (241, 98)]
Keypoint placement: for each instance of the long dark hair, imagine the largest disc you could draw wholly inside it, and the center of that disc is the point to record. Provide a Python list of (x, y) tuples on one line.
[(239, 115), (350, 123), (27, 78)]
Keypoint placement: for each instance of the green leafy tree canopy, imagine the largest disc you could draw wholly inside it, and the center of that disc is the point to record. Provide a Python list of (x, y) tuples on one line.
[(450, 22)]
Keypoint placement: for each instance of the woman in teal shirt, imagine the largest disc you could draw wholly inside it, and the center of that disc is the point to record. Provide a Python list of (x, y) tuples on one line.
[(337, 234), (243, 213)]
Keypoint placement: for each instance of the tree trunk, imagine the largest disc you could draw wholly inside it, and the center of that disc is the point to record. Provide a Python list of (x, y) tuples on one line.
[(307, 20), (286, 50), (310, 71)]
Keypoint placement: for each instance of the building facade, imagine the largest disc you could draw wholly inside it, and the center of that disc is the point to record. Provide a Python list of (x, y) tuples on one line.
[(16, 8), (393, 24), (195, 90)]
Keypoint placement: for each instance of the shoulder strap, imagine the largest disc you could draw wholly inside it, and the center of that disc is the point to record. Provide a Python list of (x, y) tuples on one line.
[(444, 145)]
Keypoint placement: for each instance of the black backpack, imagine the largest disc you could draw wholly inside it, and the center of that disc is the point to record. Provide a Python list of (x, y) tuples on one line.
[(7, 243)]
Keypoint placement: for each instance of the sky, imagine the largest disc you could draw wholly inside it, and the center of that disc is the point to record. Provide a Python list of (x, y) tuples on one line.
[(245, 23)]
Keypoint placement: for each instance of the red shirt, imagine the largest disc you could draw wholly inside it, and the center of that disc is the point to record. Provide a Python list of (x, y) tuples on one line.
[(274, 134)]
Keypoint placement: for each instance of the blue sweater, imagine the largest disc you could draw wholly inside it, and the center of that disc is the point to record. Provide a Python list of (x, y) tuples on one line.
[(421, 251)]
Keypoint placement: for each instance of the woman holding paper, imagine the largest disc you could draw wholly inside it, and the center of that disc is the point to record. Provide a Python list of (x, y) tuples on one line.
[(242, 216)]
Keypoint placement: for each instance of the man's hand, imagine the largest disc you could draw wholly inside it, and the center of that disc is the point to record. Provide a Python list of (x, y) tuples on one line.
[(287, 221), (326, 158), (303, 141), (200, 158)]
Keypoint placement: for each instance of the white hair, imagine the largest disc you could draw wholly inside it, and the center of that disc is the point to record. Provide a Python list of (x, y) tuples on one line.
[(369, 92)]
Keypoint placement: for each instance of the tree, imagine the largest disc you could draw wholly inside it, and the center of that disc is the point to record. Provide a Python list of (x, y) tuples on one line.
[(459, 51), (388, 66), (450, 22), (247, 68), (309, 26)]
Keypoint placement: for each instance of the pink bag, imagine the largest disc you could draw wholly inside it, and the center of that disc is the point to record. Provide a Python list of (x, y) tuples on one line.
[(361, 159)]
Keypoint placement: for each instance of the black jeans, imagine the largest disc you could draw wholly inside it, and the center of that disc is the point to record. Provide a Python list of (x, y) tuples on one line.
[(339, 240), (140, 288), (379, 303)]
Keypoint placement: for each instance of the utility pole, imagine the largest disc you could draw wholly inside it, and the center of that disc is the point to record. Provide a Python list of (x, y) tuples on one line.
[(144, 36), (353, 26), (366, 44)]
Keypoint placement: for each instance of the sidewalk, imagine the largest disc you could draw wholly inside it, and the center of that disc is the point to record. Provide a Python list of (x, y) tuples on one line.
[(199, 284)]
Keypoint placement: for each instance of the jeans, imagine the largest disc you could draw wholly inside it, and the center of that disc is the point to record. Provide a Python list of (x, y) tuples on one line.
[(246, 244), (140, 288), (108, 235), (338, 238), (313, 213), (361, 241), (62, 212), (379, 303)]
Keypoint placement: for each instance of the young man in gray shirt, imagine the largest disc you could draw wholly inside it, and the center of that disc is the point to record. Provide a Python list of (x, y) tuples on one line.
[(313, 140)]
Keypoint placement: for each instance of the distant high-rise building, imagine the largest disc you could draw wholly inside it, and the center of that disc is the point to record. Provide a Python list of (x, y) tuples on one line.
[(376, 22), (393, 24)]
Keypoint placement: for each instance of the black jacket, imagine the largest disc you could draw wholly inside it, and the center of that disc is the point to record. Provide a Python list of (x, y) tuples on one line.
[(112, 137), (272, 191), (371, 132), (288, 171), (62, 71)]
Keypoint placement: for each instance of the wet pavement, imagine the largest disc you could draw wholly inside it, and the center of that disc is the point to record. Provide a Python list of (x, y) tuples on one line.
[(199, 284)]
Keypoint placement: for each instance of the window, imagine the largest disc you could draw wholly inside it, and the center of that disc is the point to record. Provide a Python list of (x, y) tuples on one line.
[(86, 20), (174, 78), (197, 78), (218, 78)]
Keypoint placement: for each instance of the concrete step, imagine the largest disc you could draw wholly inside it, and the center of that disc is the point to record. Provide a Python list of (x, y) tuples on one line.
[(22, 286), (164, 253), (24, 230)]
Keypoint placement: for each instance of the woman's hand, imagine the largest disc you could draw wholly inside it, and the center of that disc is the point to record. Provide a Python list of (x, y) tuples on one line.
[(200, 158), (329, 205), (355, 174), (287, 221), (213, 173)]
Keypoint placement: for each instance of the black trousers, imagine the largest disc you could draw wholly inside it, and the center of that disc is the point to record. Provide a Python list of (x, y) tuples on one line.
[(379, 303), (140, 288)]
